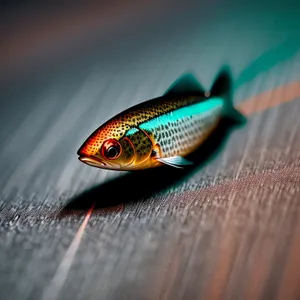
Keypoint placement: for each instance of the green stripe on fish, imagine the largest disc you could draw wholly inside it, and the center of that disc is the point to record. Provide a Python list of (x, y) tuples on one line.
[(131, 131), (195, 109)]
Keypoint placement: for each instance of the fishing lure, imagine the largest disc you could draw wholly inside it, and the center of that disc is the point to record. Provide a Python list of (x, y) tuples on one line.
[(160, 131)]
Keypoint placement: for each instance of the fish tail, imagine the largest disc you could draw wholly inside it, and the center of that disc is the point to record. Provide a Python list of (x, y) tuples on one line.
[(222, 87)]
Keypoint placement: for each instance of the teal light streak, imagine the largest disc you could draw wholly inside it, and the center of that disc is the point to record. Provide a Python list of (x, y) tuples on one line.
[(183, 112), (131, 131)]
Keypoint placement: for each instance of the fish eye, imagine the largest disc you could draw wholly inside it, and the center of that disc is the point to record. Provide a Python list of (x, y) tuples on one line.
[(112, 152), (111, 149)]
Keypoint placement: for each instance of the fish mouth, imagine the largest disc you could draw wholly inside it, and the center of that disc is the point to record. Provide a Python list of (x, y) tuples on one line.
[(91, 161)]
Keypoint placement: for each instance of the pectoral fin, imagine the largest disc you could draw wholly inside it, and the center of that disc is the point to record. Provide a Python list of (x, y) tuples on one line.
[(175, 161)]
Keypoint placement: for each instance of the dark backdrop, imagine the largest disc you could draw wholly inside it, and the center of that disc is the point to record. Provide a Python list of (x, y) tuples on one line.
[(227, 229)]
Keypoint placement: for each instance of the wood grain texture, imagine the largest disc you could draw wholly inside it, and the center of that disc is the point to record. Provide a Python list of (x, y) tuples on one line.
[(228, 228)]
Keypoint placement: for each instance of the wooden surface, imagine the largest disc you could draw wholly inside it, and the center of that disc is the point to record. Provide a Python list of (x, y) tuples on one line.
[(226, 229)]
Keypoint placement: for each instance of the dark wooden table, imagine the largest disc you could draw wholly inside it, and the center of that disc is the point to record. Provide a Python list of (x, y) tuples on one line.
[(227, 229)]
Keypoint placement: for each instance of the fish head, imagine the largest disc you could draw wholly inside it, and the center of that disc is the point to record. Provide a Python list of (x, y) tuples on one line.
[(105, 148), (109, 147)]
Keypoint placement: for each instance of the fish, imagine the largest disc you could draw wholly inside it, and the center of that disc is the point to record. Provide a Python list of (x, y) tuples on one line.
[(162, 131)]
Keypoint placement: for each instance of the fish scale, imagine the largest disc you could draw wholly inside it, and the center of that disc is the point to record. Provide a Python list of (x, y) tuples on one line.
[(178, 136)]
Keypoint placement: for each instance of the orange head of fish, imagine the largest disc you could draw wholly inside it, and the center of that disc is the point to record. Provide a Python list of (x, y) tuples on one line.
[(116, 146)]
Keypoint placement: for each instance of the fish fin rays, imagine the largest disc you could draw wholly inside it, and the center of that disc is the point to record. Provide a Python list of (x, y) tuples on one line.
[(185, 84), (175, 161)]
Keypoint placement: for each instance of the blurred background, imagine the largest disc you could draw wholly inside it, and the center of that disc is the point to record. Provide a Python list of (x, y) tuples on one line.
[(228, 231)]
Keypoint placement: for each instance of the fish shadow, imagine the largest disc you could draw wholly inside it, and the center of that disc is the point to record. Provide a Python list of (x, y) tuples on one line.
[(139, 186)]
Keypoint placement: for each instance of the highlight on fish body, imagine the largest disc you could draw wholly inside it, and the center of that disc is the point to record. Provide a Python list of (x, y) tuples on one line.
[(163, 130)]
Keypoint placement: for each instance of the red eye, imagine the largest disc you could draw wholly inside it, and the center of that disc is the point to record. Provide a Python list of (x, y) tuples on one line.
[(111, 149)]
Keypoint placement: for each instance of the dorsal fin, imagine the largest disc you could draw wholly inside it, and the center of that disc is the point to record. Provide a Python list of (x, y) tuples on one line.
[(222, 84), (185, 84)]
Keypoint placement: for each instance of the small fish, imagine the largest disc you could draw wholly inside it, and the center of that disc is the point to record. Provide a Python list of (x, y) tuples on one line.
[(161, 131)]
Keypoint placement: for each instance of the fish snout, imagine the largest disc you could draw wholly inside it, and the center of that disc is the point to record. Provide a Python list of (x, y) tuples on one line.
[(88, 158), (91, 160)]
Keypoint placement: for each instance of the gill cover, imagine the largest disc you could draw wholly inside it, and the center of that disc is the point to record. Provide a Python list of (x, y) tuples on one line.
[(141, 143)]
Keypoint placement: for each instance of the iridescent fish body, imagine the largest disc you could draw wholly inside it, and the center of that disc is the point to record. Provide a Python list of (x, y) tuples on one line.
[(160, 131)]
